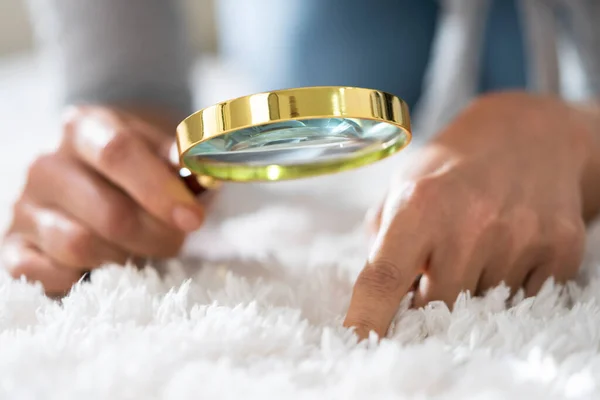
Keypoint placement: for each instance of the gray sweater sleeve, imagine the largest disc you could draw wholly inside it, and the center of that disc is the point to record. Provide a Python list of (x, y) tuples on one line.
[(116, 51)]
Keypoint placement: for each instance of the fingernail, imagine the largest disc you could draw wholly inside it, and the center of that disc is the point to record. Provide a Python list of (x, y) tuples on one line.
[(187, 219)]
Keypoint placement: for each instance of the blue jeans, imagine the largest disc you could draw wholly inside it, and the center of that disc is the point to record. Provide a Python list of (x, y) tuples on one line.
[(379, 44)]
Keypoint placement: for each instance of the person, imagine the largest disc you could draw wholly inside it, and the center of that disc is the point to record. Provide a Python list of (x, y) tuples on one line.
[(501, 190)]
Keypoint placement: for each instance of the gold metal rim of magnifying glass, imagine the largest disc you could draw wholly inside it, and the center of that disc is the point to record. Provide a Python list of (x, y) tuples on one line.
[(286, 105)]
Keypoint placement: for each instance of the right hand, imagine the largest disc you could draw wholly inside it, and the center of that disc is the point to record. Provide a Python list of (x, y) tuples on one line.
[(106, 194)]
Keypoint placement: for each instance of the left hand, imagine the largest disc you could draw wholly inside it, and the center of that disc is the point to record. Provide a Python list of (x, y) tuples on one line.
[(107, 194), (497, 196)]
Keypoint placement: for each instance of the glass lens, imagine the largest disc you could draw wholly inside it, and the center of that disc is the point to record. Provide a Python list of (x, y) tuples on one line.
[(299, 142)]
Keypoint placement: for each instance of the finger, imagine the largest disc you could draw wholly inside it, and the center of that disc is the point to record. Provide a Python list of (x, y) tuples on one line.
[(535, 280), (559, 269), (517, 276), (156, 130), (398, 256), (519, 259), (22, 259), (432, 288), (568, 255), (492, 276), (455, 267), (569, 241), (512, 273), (99, 206), (122, 157), (502, 256), (64, 241)]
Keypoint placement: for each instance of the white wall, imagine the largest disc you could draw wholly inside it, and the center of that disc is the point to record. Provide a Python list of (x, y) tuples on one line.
[(16, 36)]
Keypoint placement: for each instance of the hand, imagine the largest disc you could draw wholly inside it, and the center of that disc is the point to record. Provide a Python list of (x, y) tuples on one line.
[(106, 194), (496, 197)]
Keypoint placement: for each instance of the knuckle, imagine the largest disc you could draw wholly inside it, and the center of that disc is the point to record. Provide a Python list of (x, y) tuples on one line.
[(526, 217), (525, 226), (568, 231), (482, 218), (480, 223), (40, 165), (382, 276), (485, 211), (116, 150), (502, 230), (426, 188), (417, 195), (78, 245)]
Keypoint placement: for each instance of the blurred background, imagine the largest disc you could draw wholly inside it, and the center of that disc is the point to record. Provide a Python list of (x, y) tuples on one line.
[(16, 34)]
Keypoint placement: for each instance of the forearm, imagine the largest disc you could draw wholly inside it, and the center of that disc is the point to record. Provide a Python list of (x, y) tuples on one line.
[(115, 51)]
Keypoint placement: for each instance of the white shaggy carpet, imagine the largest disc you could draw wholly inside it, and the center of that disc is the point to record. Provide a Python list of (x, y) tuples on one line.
[(260, 317)]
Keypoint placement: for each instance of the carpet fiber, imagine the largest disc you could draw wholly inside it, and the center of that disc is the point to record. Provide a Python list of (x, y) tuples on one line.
[(253, 309)]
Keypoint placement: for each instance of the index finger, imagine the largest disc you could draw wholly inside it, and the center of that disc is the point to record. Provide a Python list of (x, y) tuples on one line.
[(120, 155), (397, 258)]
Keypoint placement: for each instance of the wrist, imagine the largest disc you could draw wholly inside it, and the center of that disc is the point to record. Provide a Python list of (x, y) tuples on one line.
[(590, 180), (525, 125), (563, 136)]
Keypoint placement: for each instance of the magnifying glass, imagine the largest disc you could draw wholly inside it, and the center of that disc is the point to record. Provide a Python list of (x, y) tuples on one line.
[(291, 134)]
